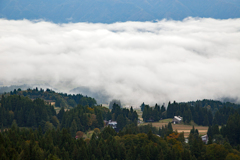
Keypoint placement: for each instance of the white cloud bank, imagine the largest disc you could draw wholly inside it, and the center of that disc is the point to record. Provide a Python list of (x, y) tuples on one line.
[(132, 61)]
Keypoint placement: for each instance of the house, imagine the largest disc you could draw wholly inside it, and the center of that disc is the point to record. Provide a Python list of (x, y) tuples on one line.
[(205, 139), (177, 119), (113, 124)]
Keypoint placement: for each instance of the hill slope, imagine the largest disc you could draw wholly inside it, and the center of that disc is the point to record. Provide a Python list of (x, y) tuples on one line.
[(60, 99)]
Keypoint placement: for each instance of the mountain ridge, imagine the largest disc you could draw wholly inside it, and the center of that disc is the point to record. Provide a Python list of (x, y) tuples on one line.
[(108, 11)]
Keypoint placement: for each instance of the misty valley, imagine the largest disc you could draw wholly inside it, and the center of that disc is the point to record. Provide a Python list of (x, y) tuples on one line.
[(120, 80)]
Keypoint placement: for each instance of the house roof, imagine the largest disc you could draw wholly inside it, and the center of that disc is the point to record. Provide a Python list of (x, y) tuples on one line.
[(177, 118), (112, 123), (204, 136)]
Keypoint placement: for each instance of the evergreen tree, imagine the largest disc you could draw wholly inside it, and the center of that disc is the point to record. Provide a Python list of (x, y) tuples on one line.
[(121, 122), (100, 120), (205, 122), (210, 132), (60, 114), (73, 128), (186, 155), (31, 121), (163, 109), (215, 129), (210, 140), (170, 127), (192, 130), (142, 106)]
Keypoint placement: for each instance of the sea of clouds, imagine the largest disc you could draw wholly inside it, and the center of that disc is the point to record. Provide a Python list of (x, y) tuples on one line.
[(151, 62)]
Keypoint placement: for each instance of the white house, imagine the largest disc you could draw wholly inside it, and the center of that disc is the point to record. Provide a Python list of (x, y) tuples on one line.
[(113, 124), (177, 119), (205, 139)]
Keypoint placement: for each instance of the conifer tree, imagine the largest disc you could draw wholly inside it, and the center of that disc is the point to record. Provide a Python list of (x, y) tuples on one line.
[(31, 118), (210, 131), (210, 140), (100, 120), (121, 122), (186, 155), (73, 128), (142, 106), (215, 129), (205, 122)]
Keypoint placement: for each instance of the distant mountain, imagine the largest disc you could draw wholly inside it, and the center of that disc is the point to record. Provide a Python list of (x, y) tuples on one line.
[(100, 96), (108, 11), (6, 89)]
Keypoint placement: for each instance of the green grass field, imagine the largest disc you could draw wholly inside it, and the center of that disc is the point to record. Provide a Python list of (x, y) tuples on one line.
[(165, 120)]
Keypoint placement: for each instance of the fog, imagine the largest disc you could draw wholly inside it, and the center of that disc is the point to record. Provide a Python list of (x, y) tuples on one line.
[(151, 62)]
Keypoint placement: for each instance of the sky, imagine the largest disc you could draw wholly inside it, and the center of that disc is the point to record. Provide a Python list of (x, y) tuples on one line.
[(151, 62)]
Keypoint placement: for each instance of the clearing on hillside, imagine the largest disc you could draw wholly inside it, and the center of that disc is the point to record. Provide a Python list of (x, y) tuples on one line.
[(180, 127)]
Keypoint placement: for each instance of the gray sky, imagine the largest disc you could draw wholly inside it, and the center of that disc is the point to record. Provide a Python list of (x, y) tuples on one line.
[(132, 61)]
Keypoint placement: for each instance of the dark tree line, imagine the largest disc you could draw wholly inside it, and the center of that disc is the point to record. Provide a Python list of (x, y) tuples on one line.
[(201, 112), (26, 112), (60, 99), (229, 131), (152, 113), (203, 115), (200, 115), (213, 104), (221, 116)]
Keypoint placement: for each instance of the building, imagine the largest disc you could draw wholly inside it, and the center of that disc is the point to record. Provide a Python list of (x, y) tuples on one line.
[(205, 139), (113, 124), (177, 119)]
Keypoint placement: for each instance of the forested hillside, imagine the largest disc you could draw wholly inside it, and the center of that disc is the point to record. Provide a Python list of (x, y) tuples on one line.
[(85, 118), (27, 112), (61, 99), (130, 144), (31, 129)]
